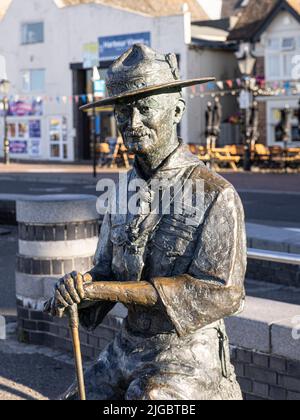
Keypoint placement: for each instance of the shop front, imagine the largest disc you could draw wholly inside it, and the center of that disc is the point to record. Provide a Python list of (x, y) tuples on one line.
[(99, 123), (276, 107), (25, 128)]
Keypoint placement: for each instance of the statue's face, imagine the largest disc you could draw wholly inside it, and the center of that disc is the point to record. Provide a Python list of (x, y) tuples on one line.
[(147, 125)]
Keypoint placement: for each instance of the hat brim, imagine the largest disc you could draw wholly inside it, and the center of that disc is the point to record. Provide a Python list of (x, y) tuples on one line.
[(155, 89)]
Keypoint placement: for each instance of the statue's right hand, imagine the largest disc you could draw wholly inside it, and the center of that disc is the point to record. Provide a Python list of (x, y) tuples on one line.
[(68, 291)]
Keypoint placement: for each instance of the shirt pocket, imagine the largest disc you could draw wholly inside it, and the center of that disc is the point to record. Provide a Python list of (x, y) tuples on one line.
[(175, 235)]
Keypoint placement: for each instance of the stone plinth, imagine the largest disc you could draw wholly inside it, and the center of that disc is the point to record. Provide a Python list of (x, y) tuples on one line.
[(57, 235)]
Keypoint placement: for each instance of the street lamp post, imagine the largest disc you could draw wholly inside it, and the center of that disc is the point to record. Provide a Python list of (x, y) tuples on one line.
[(286, 125), (4, 88), (95, 78), (246, 62)]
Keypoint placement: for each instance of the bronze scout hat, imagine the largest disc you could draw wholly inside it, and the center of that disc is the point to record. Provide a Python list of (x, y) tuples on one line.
[(142, 71)]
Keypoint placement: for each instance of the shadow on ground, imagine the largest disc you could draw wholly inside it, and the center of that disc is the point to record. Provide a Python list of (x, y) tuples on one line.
[(33, 377)]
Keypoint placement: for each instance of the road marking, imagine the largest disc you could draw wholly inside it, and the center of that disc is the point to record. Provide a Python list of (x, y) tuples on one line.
[(292, 229), (48, 190), (243, 191)]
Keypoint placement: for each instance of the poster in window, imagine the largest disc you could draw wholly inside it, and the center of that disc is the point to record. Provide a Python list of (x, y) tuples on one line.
[(55, 128), (23, 108), (11, 130), (35, 129), (64, 130), (35, 147), (18, 147), (23, 130)]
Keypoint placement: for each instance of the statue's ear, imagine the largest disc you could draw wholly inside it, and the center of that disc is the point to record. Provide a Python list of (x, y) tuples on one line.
[(179, 110)]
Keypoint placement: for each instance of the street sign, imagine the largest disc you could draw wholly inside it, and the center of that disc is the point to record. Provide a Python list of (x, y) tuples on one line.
[(111, 47), (90, 55)]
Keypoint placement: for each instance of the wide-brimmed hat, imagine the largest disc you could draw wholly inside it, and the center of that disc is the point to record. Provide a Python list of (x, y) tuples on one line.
[(141, 71)]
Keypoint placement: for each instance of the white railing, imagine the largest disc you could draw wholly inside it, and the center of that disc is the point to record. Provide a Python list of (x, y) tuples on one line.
[(273, 256)]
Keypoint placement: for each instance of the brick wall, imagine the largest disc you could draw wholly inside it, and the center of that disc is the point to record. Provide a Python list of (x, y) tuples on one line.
[(283, 274), (261, 376), (35, 327), (266, 377)]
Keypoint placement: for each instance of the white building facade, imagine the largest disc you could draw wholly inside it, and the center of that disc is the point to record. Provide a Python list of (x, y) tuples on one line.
[(280, 45), (275, 42), (41, 60), (44, 44), (41, 54)]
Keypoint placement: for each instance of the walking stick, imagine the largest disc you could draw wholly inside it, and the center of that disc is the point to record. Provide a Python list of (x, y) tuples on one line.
[(74, 328)]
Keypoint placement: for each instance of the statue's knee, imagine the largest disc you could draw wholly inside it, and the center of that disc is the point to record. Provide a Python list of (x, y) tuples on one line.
[(145, 390)]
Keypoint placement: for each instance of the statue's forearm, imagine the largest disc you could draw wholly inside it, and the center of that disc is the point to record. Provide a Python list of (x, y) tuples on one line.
[(140, 293)]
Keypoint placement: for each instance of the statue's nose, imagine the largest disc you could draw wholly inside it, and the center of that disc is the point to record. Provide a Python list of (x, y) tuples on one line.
[(136, 121)]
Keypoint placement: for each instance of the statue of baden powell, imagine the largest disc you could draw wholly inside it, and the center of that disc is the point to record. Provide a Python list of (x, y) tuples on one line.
[(178, 279)]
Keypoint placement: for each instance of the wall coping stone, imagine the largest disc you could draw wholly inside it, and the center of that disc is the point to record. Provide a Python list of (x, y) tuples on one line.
[(51, 209), (266, 326)]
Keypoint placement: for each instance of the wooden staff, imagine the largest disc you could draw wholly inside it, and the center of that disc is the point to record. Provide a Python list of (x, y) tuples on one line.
[(141, 293), (74, 328)]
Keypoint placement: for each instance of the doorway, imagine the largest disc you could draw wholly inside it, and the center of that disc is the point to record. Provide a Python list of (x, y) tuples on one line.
[(105, 126)]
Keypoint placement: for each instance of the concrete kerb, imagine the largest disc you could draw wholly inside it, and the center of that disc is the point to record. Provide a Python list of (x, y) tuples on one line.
[(273, 238), (268, 327)]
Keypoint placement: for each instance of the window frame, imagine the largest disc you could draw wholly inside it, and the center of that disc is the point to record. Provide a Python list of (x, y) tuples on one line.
[(24, 36), (31, 71), (282, 53)]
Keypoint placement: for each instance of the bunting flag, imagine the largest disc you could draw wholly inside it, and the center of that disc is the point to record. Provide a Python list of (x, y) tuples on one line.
[(219, 88), (220, 85), (229, 83)]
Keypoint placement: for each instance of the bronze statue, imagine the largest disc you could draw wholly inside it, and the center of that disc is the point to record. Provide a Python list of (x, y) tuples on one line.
[(177, 279)]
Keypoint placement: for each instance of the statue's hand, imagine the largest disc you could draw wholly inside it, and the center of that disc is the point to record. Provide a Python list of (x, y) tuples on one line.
[(67, 292)]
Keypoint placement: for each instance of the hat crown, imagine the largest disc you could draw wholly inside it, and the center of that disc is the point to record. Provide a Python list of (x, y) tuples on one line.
[(140, 67)]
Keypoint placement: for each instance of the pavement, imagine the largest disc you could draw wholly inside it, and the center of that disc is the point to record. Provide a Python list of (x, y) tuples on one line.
[(32, 372)]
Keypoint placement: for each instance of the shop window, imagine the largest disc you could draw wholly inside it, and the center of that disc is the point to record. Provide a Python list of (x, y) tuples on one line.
[(33, 80), (277, 128), (32, 33)]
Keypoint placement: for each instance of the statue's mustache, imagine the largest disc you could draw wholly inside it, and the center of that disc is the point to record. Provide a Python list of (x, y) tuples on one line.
[(137, 133)]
